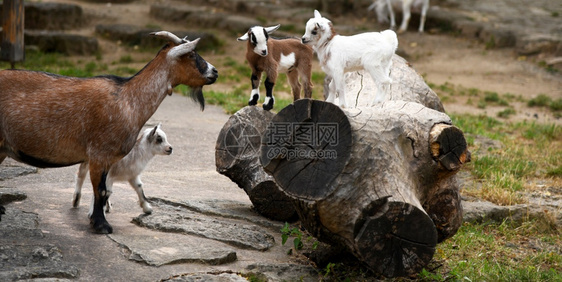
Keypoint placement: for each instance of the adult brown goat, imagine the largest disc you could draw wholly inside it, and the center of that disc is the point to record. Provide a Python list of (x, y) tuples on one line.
[(48, 120)]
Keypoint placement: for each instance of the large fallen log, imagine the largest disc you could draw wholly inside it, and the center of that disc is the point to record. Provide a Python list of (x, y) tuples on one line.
[(378, 181), (237, 157)]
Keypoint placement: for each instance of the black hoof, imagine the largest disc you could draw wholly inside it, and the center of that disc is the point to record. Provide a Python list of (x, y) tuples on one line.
[(102, 227), (2, 211), (268, 106), (254, 100)]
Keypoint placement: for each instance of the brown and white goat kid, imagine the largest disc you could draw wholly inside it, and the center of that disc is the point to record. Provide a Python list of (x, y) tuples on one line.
[(273, 56), (49, 120), (371, 51), (152, 142)]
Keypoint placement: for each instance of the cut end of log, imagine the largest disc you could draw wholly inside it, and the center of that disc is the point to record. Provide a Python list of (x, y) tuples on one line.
[(397, 240), (307, 145), (448, 146)]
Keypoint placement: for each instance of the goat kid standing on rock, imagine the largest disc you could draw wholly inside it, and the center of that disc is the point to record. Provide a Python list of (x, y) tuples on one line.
[(152, 142), (339, 54), (49, 120), (274, 56)]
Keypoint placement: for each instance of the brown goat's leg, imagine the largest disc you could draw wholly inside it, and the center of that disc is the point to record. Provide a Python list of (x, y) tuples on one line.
[(295, 84), (255, 95), (269, 100), (98, 175), (307, 83)]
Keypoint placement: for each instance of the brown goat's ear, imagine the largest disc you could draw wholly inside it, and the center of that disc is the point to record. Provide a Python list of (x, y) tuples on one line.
[(271, 29)]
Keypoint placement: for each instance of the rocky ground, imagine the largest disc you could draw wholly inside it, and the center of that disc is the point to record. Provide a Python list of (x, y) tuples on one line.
[(203, 225)]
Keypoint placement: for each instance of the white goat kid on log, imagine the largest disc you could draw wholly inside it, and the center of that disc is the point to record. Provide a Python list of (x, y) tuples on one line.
[(274, 56), (152, 142), (49, 120), (384, 8), (371, 51)]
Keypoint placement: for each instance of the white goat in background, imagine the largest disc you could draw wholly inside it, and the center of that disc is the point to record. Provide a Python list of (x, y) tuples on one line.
[(384, 8), (152, 142), (273, 56), (339, 54)]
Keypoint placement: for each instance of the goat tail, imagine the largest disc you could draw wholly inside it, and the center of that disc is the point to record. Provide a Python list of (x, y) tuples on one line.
[(391, 38), (197, 96)]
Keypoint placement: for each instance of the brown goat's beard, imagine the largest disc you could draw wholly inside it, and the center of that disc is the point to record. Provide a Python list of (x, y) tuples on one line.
[(197, 96)]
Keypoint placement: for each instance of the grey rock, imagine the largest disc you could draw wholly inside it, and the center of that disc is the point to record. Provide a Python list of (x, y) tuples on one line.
[(31, 261), (54, 41), (160, 250), (52, 16), (284, 272), (202, 17), (8, 172), (226, 209), (19, 224), (481, 211), (208, 277), (180, 220), (8, 195), (134, 35), (495, 37)]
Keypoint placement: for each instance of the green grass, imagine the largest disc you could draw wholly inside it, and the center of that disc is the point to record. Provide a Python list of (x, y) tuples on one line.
[(499, 252), (544, 101), (504, 173), (507, 113)]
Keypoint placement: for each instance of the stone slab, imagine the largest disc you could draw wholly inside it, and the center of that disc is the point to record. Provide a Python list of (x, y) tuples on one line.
[(178, 219), (161, 250)]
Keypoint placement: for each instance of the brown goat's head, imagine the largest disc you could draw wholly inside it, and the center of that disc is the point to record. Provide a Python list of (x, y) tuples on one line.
[(187, 66)]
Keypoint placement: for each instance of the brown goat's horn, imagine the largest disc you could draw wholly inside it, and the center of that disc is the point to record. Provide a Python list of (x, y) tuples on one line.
[(168, 36)]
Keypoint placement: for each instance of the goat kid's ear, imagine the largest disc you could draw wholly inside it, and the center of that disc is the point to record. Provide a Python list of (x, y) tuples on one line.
[(271, 29), (317, 14), (152, 133), (183, 48), (244, 37)]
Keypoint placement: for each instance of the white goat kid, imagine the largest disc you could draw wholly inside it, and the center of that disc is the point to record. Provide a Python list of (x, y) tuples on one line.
[(152, 142), (273, 56), (371, 51), (384, 8)]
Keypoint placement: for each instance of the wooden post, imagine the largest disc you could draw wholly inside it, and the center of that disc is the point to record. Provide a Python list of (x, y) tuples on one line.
[(12, 46)]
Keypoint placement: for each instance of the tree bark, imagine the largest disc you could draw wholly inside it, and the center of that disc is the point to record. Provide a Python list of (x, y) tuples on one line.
[(237, 157), (379, 181)]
